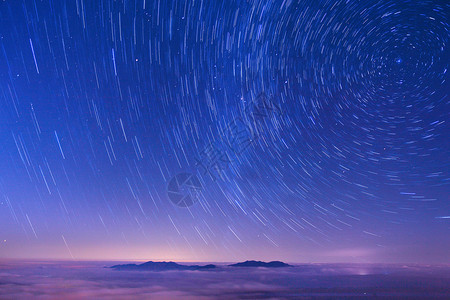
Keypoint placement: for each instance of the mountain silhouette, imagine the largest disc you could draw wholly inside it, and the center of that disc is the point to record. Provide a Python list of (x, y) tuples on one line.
[(167, 266), (254, 263), (161, 266)]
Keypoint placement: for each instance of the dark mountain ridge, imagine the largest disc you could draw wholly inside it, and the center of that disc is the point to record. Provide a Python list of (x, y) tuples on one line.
[(162, 266), (168, 266), (254, 263)]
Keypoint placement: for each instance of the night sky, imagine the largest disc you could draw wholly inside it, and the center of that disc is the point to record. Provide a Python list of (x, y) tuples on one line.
[(303, 131)]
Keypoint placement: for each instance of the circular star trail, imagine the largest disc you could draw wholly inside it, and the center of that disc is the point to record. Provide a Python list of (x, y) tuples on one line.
[(307, 124)]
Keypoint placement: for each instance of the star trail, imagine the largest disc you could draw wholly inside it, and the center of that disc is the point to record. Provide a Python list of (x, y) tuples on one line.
[(225, 130)]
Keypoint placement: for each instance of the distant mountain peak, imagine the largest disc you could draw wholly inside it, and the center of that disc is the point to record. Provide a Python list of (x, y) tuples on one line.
[(254, 263), (161, 266)]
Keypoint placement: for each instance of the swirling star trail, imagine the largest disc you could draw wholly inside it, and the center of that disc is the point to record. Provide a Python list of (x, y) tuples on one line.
[(222, 130)]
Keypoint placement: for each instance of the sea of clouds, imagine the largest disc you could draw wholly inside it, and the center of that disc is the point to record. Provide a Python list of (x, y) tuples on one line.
[(94, 280)]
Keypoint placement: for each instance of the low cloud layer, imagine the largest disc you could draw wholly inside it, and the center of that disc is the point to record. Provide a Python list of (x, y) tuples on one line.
[(93, 280)]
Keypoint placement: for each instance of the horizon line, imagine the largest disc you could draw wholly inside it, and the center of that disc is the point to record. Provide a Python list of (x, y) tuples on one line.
[(217, 262)]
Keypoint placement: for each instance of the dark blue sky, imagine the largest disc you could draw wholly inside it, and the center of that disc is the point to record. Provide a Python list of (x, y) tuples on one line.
[(308, 131)]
